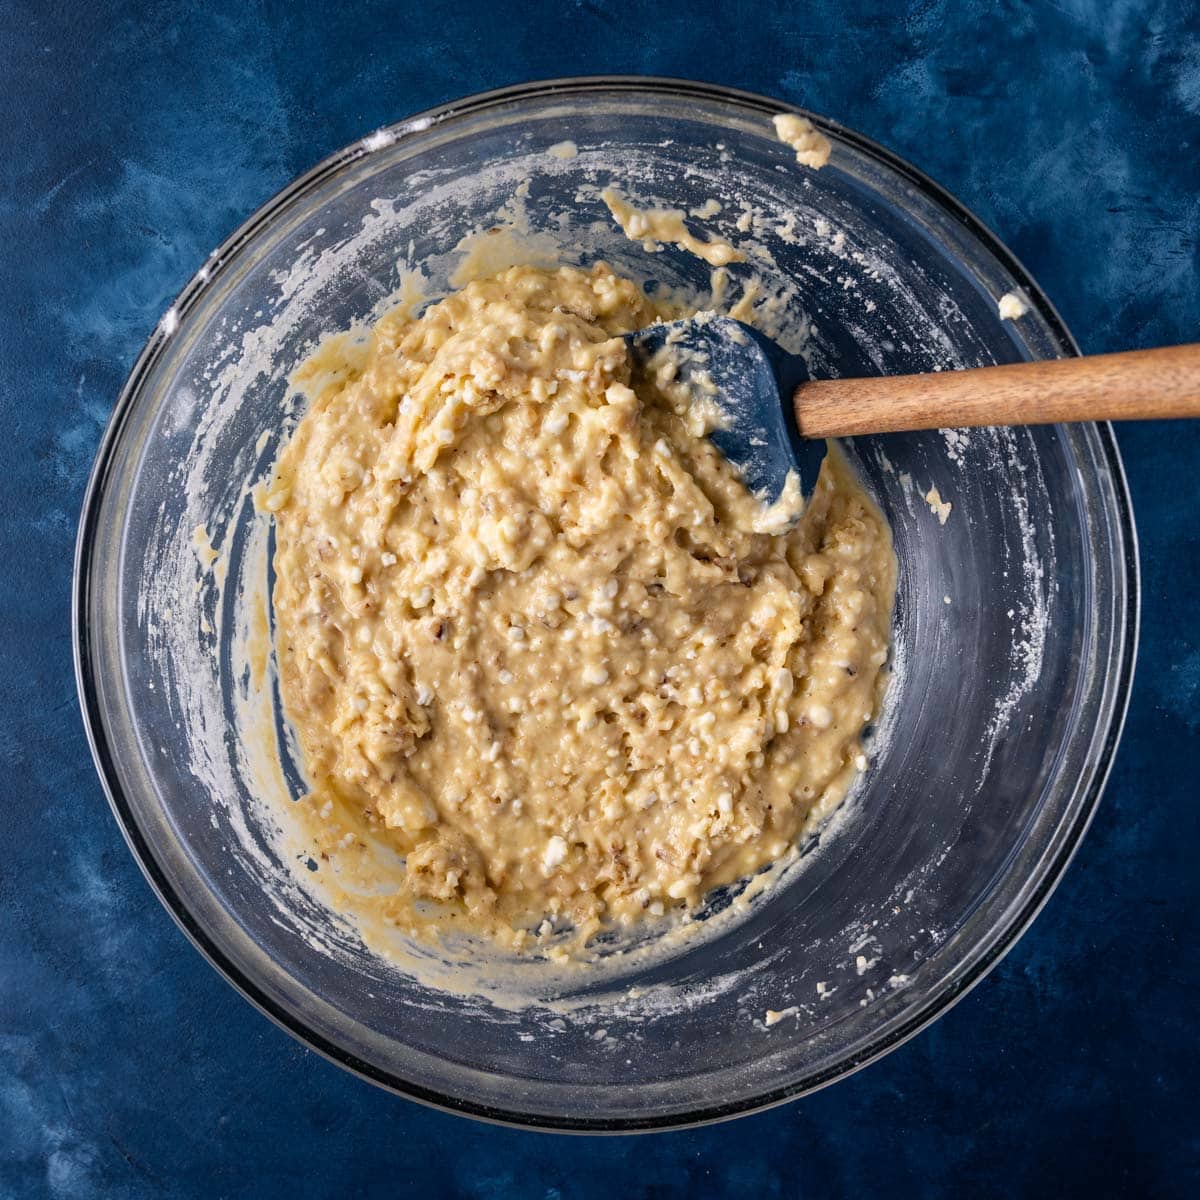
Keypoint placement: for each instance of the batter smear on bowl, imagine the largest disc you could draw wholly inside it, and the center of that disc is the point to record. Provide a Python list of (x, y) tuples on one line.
[(534, 630)]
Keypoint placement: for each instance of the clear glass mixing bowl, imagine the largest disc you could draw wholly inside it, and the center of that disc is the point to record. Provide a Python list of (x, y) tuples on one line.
[(1014, 638)]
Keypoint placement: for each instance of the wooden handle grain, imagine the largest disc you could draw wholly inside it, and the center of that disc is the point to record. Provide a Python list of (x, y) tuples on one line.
[(1136, 385)]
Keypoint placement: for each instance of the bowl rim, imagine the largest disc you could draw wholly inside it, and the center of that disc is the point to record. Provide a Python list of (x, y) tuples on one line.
[(1010, 928)]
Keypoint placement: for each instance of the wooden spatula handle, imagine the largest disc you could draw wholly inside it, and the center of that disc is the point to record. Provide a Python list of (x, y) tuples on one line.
[(1105, 387)]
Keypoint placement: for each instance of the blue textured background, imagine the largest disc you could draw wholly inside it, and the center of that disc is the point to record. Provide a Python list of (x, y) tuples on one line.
[(133, 138)]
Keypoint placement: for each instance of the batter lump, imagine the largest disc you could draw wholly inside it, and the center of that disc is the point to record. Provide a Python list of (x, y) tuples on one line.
[(529, 627)]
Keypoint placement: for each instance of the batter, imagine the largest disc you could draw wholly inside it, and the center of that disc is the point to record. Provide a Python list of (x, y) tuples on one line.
[(530, 627), (812, 147)]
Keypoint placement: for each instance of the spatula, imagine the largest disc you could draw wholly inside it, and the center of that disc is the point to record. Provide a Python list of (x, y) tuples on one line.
[(775, 417)]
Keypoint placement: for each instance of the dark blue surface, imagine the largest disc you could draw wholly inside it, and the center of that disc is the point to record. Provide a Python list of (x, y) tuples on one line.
[(132, 140)]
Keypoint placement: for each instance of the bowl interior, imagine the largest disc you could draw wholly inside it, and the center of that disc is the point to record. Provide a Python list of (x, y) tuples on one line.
[(1011, 651)]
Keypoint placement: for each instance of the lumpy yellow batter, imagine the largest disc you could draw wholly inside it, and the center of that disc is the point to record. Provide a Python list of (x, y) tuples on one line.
[(529, 629)]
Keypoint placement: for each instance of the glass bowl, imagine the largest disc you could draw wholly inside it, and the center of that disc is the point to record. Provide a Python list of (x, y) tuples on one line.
[(1014, 638)]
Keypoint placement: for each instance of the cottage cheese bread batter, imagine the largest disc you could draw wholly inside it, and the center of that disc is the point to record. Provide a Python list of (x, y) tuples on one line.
[(527, 628), (812, 147)]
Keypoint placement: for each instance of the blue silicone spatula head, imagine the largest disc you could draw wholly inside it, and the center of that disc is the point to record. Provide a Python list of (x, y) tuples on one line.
[(751, 380)]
